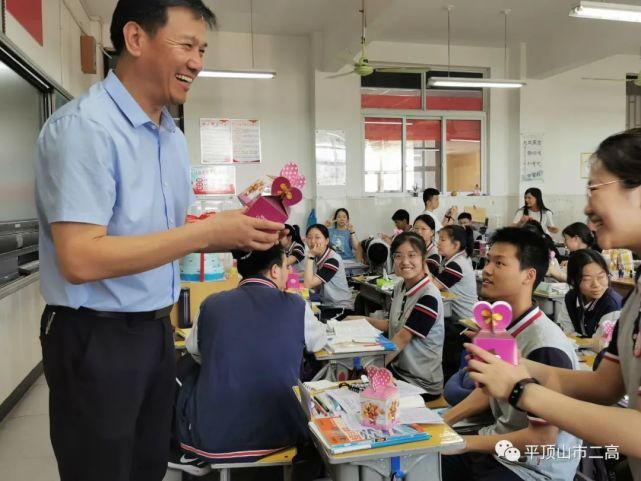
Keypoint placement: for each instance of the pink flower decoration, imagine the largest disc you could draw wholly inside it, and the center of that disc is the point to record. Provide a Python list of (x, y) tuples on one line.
[(290, 172), (379, 377), (492, 317)]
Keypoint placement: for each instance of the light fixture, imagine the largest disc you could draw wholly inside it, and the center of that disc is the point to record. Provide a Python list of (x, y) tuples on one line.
[(236, 74), (607, 11), (465, 82), (242, 74)]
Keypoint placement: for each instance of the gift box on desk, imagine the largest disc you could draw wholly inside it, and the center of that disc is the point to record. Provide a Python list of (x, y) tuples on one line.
[(285, 192), (493, 320), (380, 401)]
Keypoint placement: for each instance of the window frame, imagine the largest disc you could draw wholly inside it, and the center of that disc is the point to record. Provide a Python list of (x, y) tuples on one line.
[(443, 115)]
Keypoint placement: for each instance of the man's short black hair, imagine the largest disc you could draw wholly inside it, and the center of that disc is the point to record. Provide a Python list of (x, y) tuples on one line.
[(429, 193), (401, 214), (259, 262), (151, 15), (464, 215), (531, 251)]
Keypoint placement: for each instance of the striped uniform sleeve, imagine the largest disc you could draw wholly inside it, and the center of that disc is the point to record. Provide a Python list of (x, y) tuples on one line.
[(451, 274), (551, 356), (327, 270), (612, 351), (298, 251), (422, 317), (433, 264)]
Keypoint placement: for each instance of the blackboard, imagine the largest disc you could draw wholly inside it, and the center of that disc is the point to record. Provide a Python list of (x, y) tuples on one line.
[(21, 114)]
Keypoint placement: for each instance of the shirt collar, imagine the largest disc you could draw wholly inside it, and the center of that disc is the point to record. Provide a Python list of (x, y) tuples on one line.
[(258, 279), (430, 246), (419, 285), (524, 320), (324, 257), (455, 256), (130, 108)]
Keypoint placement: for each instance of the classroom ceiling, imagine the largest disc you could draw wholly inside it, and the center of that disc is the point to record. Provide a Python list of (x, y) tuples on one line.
[(554, 41)]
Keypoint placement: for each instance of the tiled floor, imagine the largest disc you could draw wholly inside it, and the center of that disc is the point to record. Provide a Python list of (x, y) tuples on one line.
[(25, 450)]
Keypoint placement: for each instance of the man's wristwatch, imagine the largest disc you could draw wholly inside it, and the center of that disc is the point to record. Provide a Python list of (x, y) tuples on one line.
[(517, 391)]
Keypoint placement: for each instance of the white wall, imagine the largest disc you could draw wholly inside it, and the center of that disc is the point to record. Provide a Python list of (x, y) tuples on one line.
[(283, 104), (59, 56)]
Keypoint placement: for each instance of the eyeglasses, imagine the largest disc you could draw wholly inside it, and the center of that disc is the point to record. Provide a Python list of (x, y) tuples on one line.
[(412, 256), (421, 229), (592, 187), (600, 278)]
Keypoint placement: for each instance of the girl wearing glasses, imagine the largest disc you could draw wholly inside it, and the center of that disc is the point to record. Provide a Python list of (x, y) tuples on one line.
[(425, 227), (534, 208), (567, 398), (415, 324), (591, 307)]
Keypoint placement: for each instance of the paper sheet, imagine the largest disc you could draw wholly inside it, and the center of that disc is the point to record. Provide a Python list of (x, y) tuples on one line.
[(419, 415), (356, 329)]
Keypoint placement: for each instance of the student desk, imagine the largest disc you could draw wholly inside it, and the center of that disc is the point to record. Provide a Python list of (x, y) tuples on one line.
[(282, 458), (382, 298), (377, 359), (623, 286), (353, 268), (586, 357), (198, 292), (420, 460), (549, 302)]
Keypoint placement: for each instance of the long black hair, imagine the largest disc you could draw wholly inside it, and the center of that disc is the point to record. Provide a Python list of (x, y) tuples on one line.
[(463, 235), (578, 260), (538, 196), (294, 233), (258, 262), (536, 227), (580, 230)]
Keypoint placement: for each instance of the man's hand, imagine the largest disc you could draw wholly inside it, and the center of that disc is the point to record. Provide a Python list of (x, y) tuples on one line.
[(496, 377), (232, 229)]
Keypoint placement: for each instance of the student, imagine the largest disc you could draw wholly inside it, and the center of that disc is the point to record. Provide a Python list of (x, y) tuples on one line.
[(456, 274), (401, 219), (416, 319), (517, 262), (581, 402), (294, 247), (424, 226), (591, 304), (239, 407), (465, 219), (431, 202), (324, 268), (554, 267), (534, 208), (577, 236), (343, 237)]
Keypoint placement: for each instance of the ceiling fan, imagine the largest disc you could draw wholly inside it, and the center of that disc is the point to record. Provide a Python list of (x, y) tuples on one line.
[(362, 67)]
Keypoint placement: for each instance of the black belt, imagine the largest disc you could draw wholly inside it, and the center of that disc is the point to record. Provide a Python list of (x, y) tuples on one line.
[(125, 316)]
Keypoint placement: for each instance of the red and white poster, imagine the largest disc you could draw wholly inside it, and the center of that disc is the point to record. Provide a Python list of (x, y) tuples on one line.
[(214, 180), (28, 13)]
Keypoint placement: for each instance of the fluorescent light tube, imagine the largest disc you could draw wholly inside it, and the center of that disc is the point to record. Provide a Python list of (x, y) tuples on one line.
[(474, 82), (247, 74), (607, 11)]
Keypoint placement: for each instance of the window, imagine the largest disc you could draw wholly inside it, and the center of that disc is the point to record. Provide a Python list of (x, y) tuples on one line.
[(418, 137), (633, 103)]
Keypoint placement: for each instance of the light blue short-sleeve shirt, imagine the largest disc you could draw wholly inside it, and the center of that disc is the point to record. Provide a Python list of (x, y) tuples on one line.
[(101, 160)]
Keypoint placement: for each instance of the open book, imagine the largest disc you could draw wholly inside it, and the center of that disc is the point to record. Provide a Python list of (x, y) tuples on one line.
[(338, 438)]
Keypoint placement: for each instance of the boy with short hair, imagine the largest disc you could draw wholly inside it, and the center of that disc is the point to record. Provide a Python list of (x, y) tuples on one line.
[(517, 262)]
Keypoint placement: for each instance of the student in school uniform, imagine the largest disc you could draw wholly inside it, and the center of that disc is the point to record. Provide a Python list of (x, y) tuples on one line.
[(575, 236), (517, 262), (534, 208), (294, 248), (581, 402), (591, 306), (324, 269), (237, 406), (554, 267), (431, 200), (415, 324), (456, 275), (343, 236), (424, 226), (401, 219), (465, 219)]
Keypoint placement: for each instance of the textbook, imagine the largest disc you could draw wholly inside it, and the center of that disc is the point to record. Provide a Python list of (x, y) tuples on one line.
[(363, 344), (338, 438)]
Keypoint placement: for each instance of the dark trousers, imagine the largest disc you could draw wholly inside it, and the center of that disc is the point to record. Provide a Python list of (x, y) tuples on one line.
[(475, 467), (452, 348), (111, 385)]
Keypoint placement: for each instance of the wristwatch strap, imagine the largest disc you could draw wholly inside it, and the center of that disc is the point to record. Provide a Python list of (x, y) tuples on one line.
[(517, 391)]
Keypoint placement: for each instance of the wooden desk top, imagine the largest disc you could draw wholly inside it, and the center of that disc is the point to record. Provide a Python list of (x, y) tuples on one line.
[(625, 281)]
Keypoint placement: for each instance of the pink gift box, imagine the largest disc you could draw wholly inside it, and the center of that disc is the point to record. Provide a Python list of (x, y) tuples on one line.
[(268, 207), (493, 320), (380, 401)]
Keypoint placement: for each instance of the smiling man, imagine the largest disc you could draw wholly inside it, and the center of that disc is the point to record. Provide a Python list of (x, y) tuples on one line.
[(112, 192), (517, 262)]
